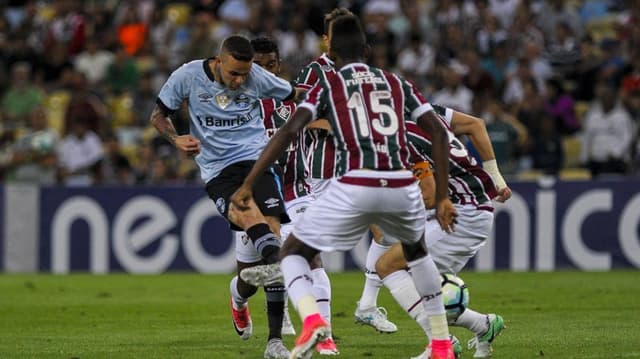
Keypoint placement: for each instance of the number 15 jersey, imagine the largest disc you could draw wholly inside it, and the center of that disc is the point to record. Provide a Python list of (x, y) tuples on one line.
[(366, 108)]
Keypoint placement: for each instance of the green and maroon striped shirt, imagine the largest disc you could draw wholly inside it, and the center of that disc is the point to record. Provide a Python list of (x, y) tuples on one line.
[(275, 114), (366, 108), (468, 182), (321, 153)]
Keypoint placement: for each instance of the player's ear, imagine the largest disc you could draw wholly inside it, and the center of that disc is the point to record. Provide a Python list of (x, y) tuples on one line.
[(367, 52)]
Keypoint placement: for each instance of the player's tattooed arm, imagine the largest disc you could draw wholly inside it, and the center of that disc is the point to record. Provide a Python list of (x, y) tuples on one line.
[(164, 126)]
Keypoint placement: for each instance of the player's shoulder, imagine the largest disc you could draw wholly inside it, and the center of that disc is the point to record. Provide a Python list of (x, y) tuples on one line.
[(191, 69), (322, 64)]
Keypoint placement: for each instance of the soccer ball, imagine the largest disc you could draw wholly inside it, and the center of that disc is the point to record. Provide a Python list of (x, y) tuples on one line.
[(455, 295), (42, 142)]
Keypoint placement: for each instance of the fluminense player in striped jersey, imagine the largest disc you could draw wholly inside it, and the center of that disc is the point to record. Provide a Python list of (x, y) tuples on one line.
[(471, 189), (366, 109), (296, 189), (226, 136), (321, 159)]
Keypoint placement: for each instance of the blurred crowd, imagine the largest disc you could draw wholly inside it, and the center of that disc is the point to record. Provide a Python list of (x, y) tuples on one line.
[(557, 82)]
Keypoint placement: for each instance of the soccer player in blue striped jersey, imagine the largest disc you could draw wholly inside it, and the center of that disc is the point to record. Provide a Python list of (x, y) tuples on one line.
[(226, 136), (366, 109)]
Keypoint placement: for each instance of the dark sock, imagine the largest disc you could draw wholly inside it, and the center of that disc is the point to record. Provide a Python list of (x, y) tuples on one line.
[(275, 310), (266, 243)]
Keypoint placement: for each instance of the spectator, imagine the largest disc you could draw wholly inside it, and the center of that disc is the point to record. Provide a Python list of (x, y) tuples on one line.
[(85, 106), (123, 73), (531, 108), (547, 151), (132, 33), (563, 50), (144, 99), (500, 63), (561, 106), (94, 62), (454, 94), (508, 136), (21, 98), (298, 46), (608, 133), (79, 155), (490, 35), (32, 158), (416, 60), (114, 167), (477, 78)]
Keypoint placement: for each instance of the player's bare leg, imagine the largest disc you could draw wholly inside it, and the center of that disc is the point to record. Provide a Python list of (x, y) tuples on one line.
[(367, 310)]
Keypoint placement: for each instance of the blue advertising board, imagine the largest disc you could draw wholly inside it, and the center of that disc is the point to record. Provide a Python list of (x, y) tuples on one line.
[(545, 226)]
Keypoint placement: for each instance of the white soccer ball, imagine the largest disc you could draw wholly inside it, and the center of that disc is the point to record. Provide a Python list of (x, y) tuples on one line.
[(455, 295), (42, 142)]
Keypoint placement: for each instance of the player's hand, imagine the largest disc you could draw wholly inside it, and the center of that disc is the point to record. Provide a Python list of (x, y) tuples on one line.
[(242, 197), (446, 214), (188, 144), (503, 194)]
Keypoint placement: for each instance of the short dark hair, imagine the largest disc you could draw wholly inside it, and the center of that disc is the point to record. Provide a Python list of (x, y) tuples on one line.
[(335, 13), (347, 38), (238, 47), (264, 45)]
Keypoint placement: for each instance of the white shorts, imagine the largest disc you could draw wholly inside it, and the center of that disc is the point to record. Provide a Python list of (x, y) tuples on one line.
[(452, 251), (295, 209), (337, 220), (246, 251)]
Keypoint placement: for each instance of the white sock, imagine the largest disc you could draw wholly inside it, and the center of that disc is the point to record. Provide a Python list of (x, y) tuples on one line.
[(427, 280), (299, 284), (474, 321), (238, 301), (322, 292), (403, 290), (372, 282)]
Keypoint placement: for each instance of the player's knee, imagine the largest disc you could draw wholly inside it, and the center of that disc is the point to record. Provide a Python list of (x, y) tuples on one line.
[(293, 246), (316, 262), (245, 289), (413, 251), (382, 267)]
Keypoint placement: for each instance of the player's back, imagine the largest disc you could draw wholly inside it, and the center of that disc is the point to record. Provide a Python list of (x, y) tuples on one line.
[(468, 182), (366, 108)]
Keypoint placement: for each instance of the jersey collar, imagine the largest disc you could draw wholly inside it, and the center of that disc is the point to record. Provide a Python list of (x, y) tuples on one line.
[(207, 69), (326, 58), (353, 64)]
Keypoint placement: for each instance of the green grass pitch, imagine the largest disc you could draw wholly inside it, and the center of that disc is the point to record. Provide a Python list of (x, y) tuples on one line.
[(550, 315)]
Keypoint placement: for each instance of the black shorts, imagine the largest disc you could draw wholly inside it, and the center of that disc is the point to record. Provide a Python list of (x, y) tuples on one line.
[(266, 192)]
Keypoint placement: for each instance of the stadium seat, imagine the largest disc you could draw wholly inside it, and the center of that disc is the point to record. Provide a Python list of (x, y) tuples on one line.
[(178, 13), (575, 174), (121, 109), (56, 106), (572, 146)]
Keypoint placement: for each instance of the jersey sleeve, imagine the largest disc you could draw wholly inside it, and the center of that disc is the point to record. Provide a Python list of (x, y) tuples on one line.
[(414, 102), (314, 100), (307, 78), (175, 90), (271, 86), (445, 112), (417, 143)]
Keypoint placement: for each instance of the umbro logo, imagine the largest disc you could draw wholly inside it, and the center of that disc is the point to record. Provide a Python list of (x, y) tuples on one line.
[(272, 202), (205, 97)]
